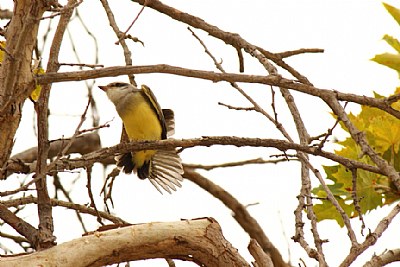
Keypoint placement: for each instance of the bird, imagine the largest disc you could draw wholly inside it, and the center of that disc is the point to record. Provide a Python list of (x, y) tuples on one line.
[(143, 119)]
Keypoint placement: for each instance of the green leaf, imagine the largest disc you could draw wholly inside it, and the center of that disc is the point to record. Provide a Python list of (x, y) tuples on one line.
[(393, 42), (395, 12), (327, 211)]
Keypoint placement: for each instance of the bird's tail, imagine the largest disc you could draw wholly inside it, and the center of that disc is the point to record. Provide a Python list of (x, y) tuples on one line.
[(165, 170)]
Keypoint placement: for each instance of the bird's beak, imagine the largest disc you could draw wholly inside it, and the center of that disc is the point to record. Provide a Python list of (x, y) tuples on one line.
[(104, 88)]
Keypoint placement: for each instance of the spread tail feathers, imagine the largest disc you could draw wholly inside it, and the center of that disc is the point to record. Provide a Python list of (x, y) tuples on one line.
[(164, 170)]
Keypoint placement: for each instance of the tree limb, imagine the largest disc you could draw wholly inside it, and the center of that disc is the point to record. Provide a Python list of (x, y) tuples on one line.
[(385, 258), (274, 80), (198, 240), (241, 215)]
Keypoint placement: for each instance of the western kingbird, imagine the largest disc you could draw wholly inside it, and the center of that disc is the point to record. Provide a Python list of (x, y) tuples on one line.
[(143, 119)]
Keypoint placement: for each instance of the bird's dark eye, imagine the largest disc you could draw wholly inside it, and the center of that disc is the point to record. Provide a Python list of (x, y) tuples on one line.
[(118, 84)]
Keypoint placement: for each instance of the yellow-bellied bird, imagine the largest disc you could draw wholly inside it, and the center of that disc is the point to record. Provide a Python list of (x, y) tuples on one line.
[(143, 119)]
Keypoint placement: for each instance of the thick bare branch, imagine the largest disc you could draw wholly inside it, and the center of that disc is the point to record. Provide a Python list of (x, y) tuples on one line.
[(200, 241), (385, 258), (16, 81), (46, 225), (262, 259), (19, 225)]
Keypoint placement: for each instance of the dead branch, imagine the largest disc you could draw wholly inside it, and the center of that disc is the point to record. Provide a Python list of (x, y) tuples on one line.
[(241, 215), (274, 80), (198, 240), (262, 259), (385, 258), (60, 203)]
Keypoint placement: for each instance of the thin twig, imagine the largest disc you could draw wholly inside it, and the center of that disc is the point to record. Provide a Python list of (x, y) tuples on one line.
[(60, 203), (93, 66), (130, 26), (59, 186), (234, 164), (119, 34), (90, 193), (354, 196)]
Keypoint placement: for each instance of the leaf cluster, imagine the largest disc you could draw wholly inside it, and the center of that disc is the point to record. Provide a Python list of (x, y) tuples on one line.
[(371, 190), (360, 191)]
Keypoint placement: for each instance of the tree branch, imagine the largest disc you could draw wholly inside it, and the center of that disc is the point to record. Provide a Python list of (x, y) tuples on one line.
[(199, 240), (83, 144), (371, 239), (16, 81), (19, 225), (274, 80), (104, 153), (384, 259), (46, 225), (60, 203), (241, 215)]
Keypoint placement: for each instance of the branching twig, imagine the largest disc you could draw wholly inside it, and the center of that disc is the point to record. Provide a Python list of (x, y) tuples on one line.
[(19, 225), (234, 164), (256, 106), (123, 35), (354, 196), (106, 190), (120, 36), (59, 203), (90, 193), (93, 66), (59, 186), (371, 239)]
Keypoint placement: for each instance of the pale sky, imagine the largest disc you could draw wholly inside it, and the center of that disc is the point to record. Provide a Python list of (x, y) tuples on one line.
[(349, 31)]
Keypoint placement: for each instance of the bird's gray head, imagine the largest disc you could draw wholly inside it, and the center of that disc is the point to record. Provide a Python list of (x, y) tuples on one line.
[(118, 91)]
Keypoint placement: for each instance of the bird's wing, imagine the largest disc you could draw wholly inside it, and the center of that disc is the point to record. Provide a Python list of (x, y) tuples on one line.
[(169, 121), (151, 98)]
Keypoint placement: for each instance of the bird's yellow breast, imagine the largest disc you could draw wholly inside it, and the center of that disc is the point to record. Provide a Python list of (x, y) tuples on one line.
[(141, 123)]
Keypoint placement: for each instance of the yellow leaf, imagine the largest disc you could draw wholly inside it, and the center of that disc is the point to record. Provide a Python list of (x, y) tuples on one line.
[(389, 60), (395, 12), (393, 42), (36, 93), (386, 133), (2, 45)]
